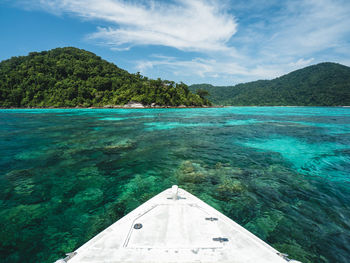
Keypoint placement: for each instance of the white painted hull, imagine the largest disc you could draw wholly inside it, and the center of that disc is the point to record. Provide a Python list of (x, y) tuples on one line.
[(175, 227)]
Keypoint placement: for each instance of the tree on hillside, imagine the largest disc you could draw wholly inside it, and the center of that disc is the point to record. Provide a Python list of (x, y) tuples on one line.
[(202, 93)]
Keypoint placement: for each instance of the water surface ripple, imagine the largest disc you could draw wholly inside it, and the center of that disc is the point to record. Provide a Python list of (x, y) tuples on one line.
[(281, 172)]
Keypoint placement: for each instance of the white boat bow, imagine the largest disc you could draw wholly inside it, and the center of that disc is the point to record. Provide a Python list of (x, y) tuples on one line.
[(175, 226)]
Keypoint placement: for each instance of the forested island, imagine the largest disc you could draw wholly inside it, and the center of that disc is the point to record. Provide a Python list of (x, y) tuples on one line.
[(324, 84), (72, 77)]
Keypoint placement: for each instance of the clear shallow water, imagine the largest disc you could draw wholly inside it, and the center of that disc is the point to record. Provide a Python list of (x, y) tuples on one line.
[(283, 173)]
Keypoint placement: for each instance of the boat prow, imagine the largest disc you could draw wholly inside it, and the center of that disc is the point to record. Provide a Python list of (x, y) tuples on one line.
[(175, 226)]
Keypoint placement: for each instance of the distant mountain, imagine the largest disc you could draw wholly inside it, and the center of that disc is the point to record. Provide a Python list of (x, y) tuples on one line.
[(324, 84), (69, 77)]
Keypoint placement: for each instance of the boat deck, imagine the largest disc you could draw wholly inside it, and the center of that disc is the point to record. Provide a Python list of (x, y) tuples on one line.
[(176, 226)]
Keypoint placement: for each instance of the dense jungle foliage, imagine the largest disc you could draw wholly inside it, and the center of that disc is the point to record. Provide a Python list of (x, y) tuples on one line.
[(70, 77), (324, 84)]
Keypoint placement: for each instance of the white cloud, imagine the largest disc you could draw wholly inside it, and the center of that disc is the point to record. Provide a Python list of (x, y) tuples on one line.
[(301, 63), (197, 25), (273, 37), (210, 68), (299, 33), (305, 27)]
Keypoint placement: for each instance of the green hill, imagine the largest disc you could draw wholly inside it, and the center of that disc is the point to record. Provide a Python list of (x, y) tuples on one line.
[(69, 77), (324, 84)]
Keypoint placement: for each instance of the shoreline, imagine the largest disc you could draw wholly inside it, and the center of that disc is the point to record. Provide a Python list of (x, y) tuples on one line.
[(163, 107), (138, 108)]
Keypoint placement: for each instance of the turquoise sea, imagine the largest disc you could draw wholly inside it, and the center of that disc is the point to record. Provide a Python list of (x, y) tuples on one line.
[(281, 172)]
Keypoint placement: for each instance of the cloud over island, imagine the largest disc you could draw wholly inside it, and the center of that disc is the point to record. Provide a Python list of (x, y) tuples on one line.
[(217, 41), (186, 25)]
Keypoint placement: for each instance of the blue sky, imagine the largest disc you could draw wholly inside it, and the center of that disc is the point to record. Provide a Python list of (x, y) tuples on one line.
[(221, 42)]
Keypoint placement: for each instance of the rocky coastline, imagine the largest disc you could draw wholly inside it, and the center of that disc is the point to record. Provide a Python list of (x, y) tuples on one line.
[(130, 105)]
